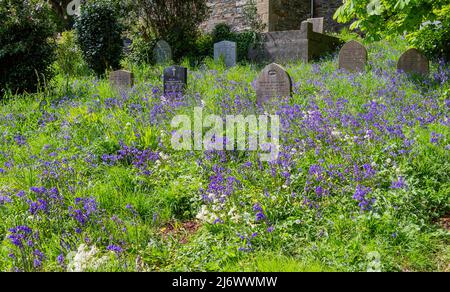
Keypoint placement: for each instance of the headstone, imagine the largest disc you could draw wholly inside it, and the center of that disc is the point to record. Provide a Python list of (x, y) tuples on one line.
[(175, 80), (227, 50), (121, 79), (127, 45), (273, 81), (317, 24), (413, 61), (353, 57), (162, 52)]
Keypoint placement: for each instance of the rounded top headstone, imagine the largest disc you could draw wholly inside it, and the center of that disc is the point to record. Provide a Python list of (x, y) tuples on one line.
[(353, 57), (273, 81), (414, 62), (162, 52)]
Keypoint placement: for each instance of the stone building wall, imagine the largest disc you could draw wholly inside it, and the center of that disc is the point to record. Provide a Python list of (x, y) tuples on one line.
[(277, 15), (228, 11)]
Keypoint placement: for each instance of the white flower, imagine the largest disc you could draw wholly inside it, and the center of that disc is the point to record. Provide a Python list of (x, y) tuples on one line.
[(85, 259), (163, 156), (205, 215)]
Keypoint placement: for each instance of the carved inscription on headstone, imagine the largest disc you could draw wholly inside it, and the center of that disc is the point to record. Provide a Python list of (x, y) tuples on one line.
[(175, 80), (414, 62), (227, 51), (273, 81), (121, 79), (353, 57)]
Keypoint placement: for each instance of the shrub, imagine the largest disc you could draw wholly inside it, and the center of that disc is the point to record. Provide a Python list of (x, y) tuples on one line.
[(69, 59), (205, 45), (142, 50), (100, 36), (223, 32), (433, 39), (425, 23), (27, 47), (174, 21)]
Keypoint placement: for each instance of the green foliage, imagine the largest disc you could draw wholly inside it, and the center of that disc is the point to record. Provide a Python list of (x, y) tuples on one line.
[(434, 37), (205, 45), (371, 128), (142, 50), (174, 21), (99, 35), (69, 59), (425, 22), (223, 32), (26, 51)]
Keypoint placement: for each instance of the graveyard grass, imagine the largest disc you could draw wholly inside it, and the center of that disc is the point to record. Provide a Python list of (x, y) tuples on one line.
[(89, 180)]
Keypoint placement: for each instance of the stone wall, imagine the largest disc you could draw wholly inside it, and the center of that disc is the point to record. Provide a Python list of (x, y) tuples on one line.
[(227, 11), (277, 15), (293, 45), (326, 9)]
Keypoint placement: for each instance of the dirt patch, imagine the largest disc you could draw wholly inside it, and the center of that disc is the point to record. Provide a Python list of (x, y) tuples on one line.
[(444, 222), (181, 231)]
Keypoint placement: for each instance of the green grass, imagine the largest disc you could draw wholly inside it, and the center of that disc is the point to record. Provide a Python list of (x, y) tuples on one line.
[(83, 119)]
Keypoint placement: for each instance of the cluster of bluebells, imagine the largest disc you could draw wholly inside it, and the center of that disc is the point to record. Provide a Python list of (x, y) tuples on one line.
[(259, 213), (27, 241), (84, 211), (361, 195), (247, 241), (46, 200), (141, 159), (221, 185)]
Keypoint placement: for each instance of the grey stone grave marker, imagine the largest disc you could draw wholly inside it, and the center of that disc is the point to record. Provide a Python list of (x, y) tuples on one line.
[(272, 82), (226, 49), (162, 52), (413, 62), (121, 79), (353, 57)]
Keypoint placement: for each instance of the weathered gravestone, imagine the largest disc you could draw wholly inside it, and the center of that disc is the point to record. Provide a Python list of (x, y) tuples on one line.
[(175, 80), (121, 79), (162, 52), (317, 24), (226, 50), (353, 57), (414, 62), (273, 81)]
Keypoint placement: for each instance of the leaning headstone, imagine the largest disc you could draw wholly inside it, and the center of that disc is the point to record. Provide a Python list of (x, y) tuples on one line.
[(273, 81), (353, 57), (317, 24), (121, 79), (162, 52), (175, 80), (414, 62), (226, 50)]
